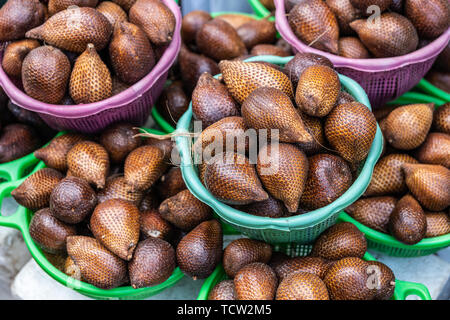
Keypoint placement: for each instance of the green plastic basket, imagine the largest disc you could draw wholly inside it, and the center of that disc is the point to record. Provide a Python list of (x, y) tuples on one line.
[(303, 228), (403, 289), (20, 220), (426, 87), (260, 10), (416, 97)]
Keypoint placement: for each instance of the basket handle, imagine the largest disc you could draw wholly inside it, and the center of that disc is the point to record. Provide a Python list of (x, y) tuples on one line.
[(14, 170), (16, 219), (404, 289)]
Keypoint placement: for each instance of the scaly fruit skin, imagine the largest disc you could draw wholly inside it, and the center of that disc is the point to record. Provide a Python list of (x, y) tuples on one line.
[(315, 128), (256, 281), (54, 155), (340, 241), (302, 286), (45, 74), (153, 225), (219, 40), (55, 6), (115, 224), (211, 101), (173, 102), (242, 252), (303, 60), (34, 192), (200, 251), (50, 233), (117, 188), (257, 32), (435, 150), (113, 12), (315, 24), (441, 121), (317, 90), (152, 264), (328, 178), (350, 129), (345, 13), (388, 177), (407, 127), (155, 18), (314, 265), (14, 55), (96, 264), (232, 179), (191, 24), (224, 290), (379, 37), (430, 17), (149, 201), (90, 80), (119, 140), (242, 78), (269, 108), (72, 200), (73, 29), (131, 53), (363, 5), (170, 184), (373, 212), (185, 211), (16, 141), (125, 4), (408, 222), (19, 16), (385, 279), (353, 48), (269, 49), (90, 161), (438, 224), (430, 184), (283, 170), (268, 208), (144, 166)]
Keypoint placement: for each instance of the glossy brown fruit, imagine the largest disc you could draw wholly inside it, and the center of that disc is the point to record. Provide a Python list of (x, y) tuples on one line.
[(73, 29), (144, 166), (131, 53), (345, 13), (303, 60), (149, 201), (441, 121), (19, 16), (155, 18), (72, 200), (191, 24), (313, 265), (170, 183), (125, 4), (283, 170), (34, 192), (430, 17), (242, 252), (14, 55), (165, 146), (376, 36), (269, 108), (235, 20), (373, 212), (315, 24), (173, 102), (408, 222), (90, 80), (363, 5), (45, 74), (435, 150), (317, 90), (388, 177), (200, 251), (340, 241), (16, 141), (382, 280), (438, 224), (407, 127), (242, 78), (97, 265), (350, 129), (440, 80), (267, 208), (89, 161), (119, 140), (118, 86), (117, 188), (328, 178), (302, 286), (443, 60), (353, 48), (153, 225), (50, 233), (55, 6), (185, 211), (152, 263), (430, 185), (257, 32), (113, 12), (232, 179), (224, 290), (270, 50), (315, 128), (211, 101), (115, 224), (256, 281), (218, 40)]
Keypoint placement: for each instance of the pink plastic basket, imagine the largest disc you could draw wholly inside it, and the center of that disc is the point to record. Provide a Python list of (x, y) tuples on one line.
[(132, 105), (383, 79)]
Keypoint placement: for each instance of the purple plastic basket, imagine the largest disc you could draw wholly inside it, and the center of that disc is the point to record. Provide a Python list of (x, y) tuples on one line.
[(132, 105), (383, 79)]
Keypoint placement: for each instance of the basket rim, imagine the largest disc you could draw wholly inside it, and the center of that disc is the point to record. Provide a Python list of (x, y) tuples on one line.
[(123, 98), (243, 219), (366, 65)]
